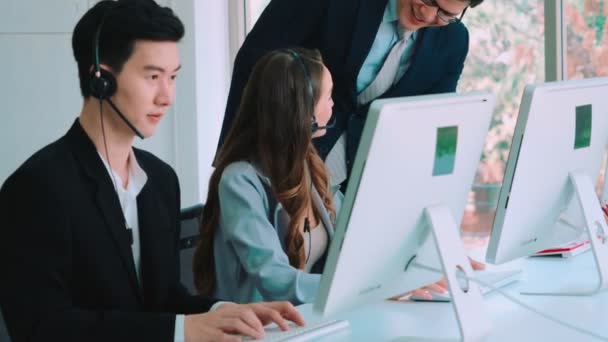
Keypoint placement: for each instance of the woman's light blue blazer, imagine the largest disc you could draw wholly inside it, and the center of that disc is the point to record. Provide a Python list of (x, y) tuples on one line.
[(251, 263)]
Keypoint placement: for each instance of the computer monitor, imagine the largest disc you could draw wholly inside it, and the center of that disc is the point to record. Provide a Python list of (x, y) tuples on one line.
[(412, 174), (548, 195)]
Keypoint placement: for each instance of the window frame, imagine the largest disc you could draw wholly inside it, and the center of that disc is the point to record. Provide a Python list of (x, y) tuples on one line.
[(555, 40), (555, 34)]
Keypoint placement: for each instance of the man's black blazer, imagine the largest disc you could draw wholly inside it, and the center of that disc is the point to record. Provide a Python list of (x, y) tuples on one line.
[(344, 31), (65, 255)]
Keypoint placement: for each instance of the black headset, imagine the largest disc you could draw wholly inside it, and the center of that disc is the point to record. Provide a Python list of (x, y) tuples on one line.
[(314, 128), (315, 125), (102, 83)]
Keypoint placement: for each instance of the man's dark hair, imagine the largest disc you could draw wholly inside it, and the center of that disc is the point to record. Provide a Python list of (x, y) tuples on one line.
[(124, 22)]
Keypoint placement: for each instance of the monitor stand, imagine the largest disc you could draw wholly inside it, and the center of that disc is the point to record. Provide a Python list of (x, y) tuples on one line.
[(596, 229), (473, 323)]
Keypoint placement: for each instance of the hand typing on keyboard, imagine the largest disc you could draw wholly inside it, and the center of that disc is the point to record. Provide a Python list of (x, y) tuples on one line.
[(438, 289), (303, 333), (495, 279), (242, 319)]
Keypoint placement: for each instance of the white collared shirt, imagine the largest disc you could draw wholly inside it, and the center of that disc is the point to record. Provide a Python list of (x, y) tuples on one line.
[(128, 202)]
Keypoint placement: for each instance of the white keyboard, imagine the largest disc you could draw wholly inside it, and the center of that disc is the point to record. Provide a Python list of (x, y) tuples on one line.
[(305, 333), (495, 278)]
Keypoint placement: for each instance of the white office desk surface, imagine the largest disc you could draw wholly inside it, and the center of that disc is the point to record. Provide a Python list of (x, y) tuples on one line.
[(388, 321)]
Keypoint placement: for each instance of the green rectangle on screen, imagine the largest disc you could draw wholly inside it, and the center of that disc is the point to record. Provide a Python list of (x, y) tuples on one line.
[(445, 150), (582, 136)]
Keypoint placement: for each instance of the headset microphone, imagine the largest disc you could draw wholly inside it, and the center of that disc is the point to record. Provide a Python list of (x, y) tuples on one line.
[(331, 124), (124, 118)]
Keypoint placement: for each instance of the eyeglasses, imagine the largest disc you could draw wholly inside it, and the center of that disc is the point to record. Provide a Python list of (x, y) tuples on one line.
[(442, 14)]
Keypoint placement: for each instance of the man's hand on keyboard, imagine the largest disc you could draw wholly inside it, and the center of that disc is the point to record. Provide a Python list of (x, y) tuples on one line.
[(278, 313), (239, 319)]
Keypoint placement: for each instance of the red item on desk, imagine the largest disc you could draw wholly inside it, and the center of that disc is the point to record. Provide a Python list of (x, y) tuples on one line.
[(573, 248), (581, 245)]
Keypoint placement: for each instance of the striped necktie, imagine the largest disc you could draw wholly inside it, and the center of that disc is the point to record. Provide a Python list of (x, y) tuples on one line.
[(386, 77)]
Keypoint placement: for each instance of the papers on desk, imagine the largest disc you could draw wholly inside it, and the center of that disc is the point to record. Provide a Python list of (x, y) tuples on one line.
[(566, 250)]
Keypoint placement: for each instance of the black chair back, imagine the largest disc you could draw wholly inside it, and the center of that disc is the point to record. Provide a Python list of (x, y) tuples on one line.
[(190, 219), (3, 332)]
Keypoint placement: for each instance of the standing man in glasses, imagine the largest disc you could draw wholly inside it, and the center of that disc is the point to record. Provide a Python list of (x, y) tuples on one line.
[(373, 48)]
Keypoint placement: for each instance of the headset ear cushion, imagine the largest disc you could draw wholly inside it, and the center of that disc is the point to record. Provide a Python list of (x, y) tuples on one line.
[(104, 86)]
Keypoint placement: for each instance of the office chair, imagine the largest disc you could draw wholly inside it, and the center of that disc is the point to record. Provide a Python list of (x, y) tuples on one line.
[(3, 332), (190, 219)]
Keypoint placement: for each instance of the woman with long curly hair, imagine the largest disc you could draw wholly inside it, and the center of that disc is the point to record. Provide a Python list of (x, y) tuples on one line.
[(270, 209)]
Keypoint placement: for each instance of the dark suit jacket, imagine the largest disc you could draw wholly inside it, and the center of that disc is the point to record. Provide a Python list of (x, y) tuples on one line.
[(65, 256), (344, 30)]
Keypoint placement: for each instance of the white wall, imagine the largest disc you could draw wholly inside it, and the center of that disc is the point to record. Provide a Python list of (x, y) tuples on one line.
[(40, 95), (213, 69), (39, 89)]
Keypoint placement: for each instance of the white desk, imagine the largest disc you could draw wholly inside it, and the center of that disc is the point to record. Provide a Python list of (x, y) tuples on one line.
[(388, 321)]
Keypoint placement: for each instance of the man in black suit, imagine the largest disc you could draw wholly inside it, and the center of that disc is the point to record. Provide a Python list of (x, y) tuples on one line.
[(356, 38), (90, 225)]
